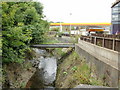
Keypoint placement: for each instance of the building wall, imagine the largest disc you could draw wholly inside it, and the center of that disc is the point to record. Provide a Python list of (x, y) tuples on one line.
[(116, 19)]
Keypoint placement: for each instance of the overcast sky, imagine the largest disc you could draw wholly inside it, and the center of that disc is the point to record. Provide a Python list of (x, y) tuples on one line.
[(83, 11)]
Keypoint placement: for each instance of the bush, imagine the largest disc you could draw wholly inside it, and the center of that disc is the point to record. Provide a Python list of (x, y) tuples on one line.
[(22, 25), (59, 34), (55, 29)]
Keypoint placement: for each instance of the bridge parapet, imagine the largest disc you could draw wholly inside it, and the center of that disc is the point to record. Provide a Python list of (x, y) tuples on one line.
[(107, 41), (107, 56), (105, 61)]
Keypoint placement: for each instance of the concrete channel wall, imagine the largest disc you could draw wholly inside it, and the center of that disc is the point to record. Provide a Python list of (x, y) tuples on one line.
[(102, 61)]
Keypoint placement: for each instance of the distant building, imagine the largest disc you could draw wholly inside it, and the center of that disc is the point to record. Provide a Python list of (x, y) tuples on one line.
[(116, 17)]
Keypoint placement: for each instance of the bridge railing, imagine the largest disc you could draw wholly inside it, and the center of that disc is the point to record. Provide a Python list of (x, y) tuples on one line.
[(107, 41)]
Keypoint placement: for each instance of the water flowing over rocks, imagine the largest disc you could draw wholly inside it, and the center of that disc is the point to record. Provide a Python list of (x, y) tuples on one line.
[(39, 51), (47, 66)]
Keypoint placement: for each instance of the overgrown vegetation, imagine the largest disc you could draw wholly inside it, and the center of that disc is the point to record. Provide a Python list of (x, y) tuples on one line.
[(16, 75), (50, 40), (0, 44), (55, 29), (22, 25), (59, 34), (74, 71)]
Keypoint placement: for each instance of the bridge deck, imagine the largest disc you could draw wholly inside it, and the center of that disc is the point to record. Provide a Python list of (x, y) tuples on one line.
[(53, 46)]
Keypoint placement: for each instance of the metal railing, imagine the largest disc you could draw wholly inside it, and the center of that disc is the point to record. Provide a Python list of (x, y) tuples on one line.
[(107, 41)]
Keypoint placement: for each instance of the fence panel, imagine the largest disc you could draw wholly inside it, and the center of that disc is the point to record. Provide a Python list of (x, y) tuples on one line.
[(107, 41)]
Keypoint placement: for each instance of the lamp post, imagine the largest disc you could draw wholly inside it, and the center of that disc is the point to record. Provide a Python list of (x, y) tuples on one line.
[(60, 27), (70, 24)]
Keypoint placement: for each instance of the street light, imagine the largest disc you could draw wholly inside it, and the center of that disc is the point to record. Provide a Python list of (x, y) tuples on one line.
[(60, 27), (70, 23)]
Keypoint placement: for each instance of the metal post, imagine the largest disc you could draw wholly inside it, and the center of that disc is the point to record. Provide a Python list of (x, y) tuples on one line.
[(70, 28), (60, 27), (70, 24), (95, 39), (83, 39), (103, 42), (113, 44), (90, 39)]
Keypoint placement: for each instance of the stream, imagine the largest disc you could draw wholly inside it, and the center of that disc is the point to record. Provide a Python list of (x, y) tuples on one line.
[(46, 69)]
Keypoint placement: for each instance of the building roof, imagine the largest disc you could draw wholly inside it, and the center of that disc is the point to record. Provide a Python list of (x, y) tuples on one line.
[(116, 2)]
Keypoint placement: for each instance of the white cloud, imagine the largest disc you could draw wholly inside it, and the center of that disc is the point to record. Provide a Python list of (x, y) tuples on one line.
[(82, 10)]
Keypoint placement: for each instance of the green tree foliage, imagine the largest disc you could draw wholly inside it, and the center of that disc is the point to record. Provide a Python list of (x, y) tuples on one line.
[(22, 25)]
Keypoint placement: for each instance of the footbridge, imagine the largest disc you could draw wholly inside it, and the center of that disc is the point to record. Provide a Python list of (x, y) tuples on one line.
[(56, 45)]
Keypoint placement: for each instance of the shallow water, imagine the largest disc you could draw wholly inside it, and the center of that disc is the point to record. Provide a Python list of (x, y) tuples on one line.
[(46, 68)]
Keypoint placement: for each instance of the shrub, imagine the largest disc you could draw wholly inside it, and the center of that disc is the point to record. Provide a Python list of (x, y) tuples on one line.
[(22, 25)]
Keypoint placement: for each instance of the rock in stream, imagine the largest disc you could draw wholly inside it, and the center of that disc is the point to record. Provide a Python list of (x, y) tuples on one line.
[(46, 69), (48, 66)]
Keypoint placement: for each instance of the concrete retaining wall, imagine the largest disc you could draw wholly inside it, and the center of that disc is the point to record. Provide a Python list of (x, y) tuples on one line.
[(101, 60)]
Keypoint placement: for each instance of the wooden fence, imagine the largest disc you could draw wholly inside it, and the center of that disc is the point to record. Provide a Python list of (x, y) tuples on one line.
[(107, 41)]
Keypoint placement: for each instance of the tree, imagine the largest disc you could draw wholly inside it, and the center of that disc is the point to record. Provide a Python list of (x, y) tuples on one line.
[(22, 25)]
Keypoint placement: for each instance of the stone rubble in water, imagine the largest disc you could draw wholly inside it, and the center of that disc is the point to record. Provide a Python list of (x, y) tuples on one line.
[(49, 67), (40, 51)]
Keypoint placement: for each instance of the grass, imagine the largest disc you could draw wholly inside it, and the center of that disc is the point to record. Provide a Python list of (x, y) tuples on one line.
[(50, 40), (59, 51), (74, 71)]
